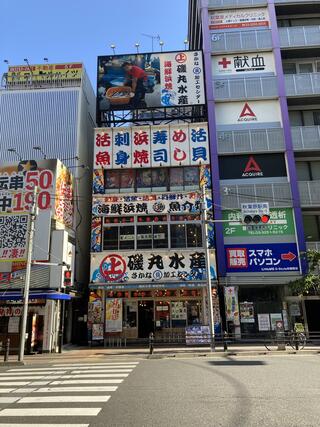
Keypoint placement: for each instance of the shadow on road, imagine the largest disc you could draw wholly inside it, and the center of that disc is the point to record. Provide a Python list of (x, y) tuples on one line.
[(233, 362)]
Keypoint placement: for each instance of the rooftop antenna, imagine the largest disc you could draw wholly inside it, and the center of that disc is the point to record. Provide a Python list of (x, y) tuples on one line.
[(152, 37)]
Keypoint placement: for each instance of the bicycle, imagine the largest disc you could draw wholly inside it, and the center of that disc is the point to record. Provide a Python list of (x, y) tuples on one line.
[(296, 340)]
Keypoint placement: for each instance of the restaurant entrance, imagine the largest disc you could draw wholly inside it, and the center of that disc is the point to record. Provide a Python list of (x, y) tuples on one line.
[(145, 318)]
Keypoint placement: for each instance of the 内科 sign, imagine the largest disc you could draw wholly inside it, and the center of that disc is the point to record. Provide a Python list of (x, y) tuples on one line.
[(239, 18), (280, 224), (153, 266), (266, 257), (243, 64), (151, 146)]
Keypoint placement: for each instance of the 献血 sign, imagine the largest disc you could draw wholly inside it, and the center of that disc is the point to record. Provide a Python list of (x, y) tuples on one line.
[(280, 224), (151, 146), (243, 64)]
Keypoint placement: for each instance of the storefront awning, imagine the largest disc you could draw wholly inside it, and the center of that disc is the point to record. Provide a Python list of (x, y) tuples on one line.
[(15, 296), (148, 286)]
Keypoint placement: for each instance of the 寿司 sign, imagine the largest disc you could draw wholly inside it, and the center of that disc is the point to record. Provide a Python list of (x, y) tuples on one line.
[(239, 18), (151, 146)]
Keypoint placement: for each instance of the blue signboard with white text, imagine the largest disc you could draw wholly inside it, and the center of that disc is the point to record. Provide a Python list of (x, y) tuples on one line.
[(262, 258)]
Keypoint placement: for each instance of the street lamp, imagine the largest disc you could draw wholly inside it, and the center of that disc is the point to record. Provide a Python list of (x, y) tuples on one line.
[(13, 150), (41, 151), (161, 43), (113, 47), (137, 47), (186, 41)]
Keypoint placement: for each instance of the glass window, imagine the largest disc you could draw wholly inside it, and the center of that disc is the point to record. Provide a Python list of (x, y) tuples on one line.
[(296, 118), (316, 118), (144, 179), (303, 171), (315, 170), (178, 235), (289, 68), (160, 236), (311, 228), (194, 236), (127, 180), (112, 181), (162, 315), (191, 177), (176, 179), (127, 237), (110, 238), (160, 179), (306, 67), (144, 237), (193, 312)]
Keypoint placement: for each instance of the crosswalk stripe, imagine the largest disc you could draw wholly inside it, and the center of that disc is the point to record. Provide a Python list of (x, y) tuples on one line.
[(97, 364), (30, 377), (24, 390), (97, 371), (89, 368), (17, 374), (59, 399), (8, 399), (6, 390), (43, 425), (48, 412), (96, 376), (74, 389), (105, 381), (19, 370), (13, 383)]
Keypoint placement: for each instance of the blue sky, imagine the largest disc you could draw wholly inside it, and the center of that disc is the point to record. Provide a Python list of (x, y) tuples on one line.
[(80, 30)]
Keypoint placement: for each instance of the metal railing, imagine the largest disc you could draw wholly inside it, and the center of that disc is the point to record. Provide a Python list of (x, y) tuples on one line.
[(277, 195), (315, 246), (241, 40), (305, 137), (309, 193), (299, 36), (256, 140), (249, 88), (235, 3), (302, 84)]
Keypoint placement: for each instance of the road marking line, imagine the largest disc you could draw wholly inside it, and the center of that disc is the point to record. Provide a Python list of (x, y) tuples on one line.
[(74, 389), (102, 371), (35, 377), (33, 383), (8, 399), (6, 390), (63, 365), (106, 381), (49, 412), (43, 425), (56, 399), (21, 370)]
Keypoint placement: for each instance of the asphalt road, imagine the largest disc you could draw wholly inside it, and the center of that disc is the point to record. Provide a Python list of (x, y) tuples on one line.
[(234, 391)]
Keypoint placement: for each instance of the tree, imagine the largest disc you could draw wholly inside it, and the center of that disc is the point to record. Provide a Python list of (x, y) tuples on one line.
[(309, 284)]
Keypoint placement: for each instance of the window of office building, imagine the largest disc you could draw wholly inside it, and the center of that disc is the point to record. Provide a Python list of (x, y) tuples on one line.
[(311, 224)]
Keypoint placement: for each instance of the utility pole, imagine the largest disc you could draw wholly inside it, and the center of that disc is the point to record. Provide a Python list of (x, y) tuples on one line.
[(207, 257), (33, 215)]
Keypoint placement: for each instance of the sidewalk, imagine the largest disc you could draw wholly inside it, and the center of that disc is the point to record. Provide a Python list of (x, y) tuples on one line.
[(73, 353)]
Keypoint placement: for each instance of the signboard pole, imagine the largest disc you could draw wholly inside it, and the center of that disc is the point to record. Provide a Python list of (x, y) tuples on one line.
[(207, 256), (33, 214)]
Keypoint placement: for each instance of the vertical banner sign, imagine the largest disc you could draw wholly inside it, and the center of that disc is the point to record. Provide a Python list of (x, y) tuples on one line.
[(199, 149), (122, 146), (103, 149), (141, 147), (232, 305), (179, 142), (160, 148), (113, 315)]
